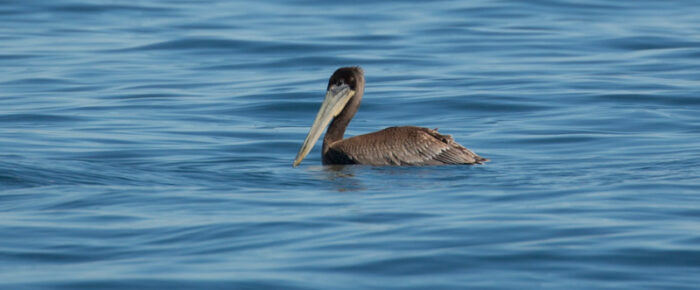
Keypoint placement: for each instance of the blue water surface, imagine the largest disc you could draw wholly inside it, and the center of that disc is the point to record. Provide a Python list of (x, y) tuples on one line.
[(149, 144)]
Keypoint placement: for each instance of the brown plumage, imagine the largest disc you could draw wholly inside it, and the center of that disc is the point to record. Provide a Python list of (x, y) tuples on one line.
[(402, 146), (406, 145)]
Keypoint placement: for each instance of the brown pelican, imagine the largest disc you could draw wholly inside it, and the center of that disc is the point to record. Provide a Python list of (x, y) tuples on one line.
[(406, 145)]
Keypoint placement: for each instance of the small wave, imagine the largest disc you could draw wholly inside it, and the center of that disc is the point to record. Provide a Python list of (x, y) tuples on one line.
[(647, 43), (250, 46), (37, 118), (107, 8)]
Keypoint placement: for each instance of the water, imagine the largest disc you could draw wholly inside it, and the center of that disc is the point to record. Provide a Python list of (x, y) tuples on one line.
[(149, 145)]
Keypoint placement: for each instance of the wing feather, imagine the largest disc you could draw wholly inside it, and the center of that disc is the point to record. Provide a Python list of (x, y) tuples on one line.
[(405, 146)]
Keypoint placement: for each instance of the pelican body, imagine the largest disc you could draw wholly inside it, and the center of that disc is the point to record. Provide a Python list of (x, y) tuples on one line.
[(397, 146)]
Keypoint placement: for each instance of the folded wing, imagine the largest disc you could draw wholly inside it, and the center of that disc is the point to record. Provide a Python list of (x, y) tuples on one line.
[(406, 145)]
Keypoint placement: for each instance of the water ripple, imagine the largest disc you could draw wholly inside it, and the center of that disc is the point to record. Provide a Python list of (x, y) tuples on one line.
[(149, 145)]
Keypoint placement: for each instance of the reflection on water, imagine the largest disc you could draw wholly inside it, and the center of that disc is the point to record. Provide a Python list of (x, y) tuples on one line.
[(349, 177), (342, 177)]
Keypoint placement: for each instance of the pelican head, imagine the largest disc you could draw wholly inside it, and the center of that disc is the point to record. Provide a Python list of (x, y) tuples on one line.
[(344, 84)]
